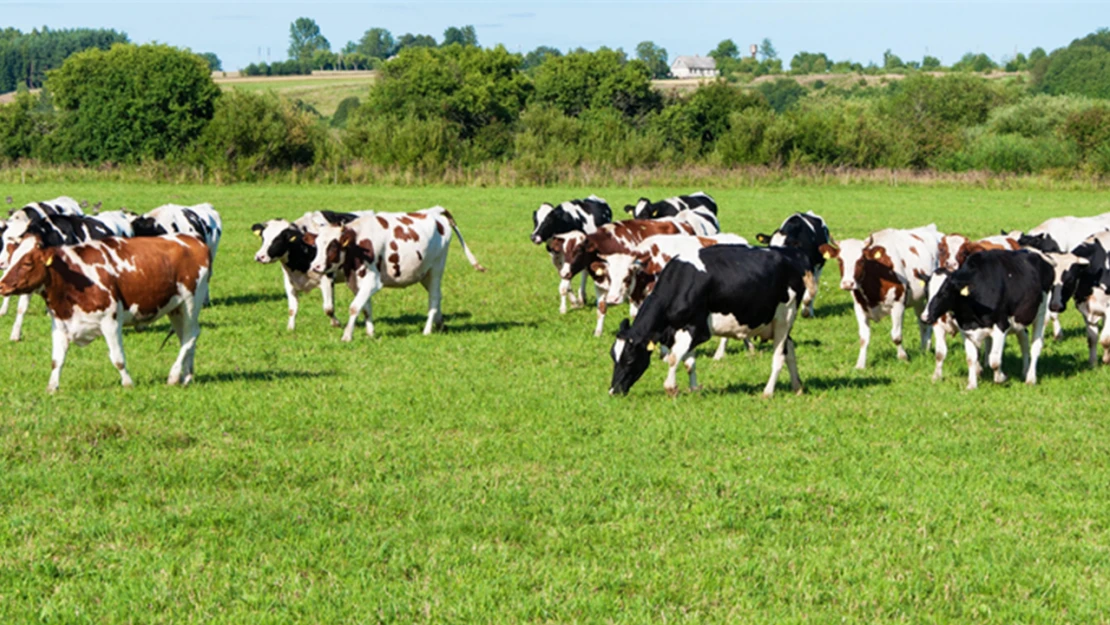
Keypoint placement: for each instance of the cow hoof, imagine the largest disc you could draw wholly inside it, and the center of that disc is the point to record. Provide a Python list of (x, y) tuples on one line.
[(695, 389), (807, 313), (346, 338), (904, 357), (801, 390), (51, 389), (937, 377), (671, 391), (334, 323), (768, 394)]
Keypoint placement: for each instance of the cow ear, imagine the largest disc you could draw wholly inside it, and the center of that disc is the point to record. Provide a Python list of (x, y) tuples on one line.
[(829, 251), (257, 229), (623, 326), (921, 275), (48, 257), (763, 238), (347, 238)]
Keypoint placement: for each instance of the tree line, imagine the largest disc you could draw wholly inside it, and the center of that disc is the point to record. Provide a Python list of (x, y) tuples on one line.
[(462, 107)]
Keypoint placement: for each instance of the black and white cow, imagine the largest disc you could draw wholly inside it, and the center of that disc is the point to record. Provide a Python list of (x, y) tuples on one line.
[(807, 232), (995, 293), (200, 220), (724, 290), (52, 230), (62, 205), (646, 209), (573, 216), (118, 221), (285, 242), (1084, 275)]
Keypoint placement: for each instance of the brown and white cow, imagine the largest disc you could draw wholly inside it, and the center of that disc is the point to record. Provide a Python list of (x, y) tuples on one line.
[(954, 249), (94, 289), (880, 272), (561, 247), (632, 273), (390, 250)]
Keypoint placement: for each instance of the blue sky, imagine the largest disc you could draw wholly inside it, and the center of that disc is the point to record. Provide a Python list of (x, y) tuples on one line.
[(242, 32)]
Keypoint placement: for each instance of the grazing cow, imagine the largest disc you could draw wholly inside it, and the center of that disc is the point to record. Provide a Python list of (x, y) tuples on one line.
[(390, 250), (807, 232), (285, 242), (569, 261), (881, 274), (646, 209), (584, 216), (955, 248), (53, 229), (723, 290), (632, 272), (995, 293), (97, 287)]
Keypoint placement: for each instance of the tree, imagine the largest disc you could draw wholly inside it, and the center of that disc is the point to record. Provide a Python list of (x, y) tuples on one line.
[(536, 57), (891, 61), (725, 50), (782, 93), (581, 81), (1036, 54), (971, 62), (1077, 69), (375, 43), (131, 102), (465, 36), (305, 39), (212, 60), (809, 63), (655, 57), (409, 40), (767, 51), (930, 63)]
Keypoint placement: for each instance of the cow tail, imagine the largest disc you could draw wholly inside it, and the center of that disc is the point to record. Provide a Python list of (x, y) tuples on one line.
[(469, 255)]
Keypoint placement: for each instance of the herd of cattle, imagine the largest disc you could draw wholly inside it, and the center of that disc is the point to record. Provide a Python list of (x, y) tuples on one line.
[(685, 281)]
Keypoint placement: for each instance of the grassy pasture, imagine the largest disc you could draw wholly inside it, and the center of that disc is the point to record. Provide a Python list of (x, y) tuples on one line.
[(324, 92), (483, 474)]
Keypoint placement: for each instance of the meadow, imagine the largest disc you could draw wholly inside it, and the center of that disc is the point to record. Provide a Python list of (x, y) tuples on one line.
[(484, 475)]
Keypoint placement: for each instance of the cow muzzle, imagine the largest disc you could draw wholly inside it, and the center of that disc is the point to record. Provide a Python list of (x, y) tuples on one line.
[(536, 239), (848, 285), (262, 258)]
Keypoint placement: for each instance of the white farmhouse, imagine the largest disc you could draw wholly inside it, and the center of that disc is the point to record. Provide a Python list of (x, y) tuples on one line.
[(694, 67)]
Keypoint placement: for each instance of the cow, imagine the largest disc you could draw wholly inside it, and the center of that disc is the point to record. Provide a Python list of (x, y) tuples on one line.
[(62, 205), (724, 290), (53, 229), (995, 293), (584, 216), (95, 288), (390, 250), (118, 221), (631, 273), (807, 232), (646, 209), (284, 242), (200, 220), (1091, 291), (881, 273), (565, 253), (955, 248), (618, 237)]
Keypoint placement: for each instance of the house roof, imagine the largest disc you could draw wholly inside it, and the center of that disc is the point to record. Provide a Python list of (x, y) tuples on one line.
[(695, 62)]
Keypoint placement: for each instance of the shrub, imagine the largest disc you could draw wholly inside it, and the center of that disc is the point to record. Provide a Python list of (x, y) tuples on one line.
[(583, 80), (1013, 153), (546, 141), (743, 144), (1089, 129), (343, 112), (782, 94), (254, 132), (1078, 69), (25, 126), (1037, 116), (131, 102)]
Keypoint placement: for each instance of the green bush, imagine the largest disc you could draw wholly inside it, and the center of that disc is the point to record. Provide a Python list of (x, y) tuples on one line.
[(782, 94), (583, 80), (1013, 154), (1078, 69), (1089, 129), (1037, 116), (251, 133), (743, 144), (131, 103), (343, 111), (25, 126), (547, 140), (410, 143)]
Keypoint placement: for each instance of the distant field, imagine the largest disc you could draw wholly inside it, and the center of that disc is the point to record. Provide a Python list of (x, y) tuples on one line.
[(484, 475), (323, 90)]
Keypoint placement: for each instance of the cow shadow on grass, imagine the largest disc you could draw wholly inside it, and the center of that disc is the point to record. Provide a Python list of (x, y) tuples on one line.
[(454, 323), (261, 375), (247, 299), (1054, 365), (817, 383), (835, 309)]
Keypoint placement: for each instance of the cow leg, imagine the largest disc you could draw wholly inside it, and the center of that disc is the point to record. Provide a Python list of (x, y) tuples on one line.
[(864, 334), (57, 354), (112, 330), (998, 343), (1023, 342), (680, 350), (1104, 340), (327, 290), (633, 308), (792, 366), (185, 324), (941, 348), (924, 329), (367, 287), (691, 370), (433, 281), (1091, 324), (897, 318), (292, 296), (1038, 341), (778, 359), (1057, 329), (4, 306), (602, 308), (972, 351), (20, 313), (808, 297), (581, 291), (720, 353)]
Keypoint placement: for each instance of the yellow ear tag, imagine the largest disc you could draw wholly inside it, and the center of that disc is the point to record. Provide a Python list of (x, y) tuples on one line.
[(344, 243), (258, 233), (923, 283), (827, 255), (965, 291), (878, 255), (292, 238), (49, 259), (651, 346)]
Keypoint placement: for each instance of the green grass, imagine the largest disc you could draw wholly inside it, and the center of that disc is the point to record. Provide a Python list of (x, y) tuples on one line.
[(484, 475)]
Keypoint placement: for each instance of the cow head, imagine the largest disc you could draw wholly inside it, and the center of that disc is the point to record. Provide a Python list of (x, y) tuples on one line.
[(1068, 269), (566, 252), (28, 265), (639, 208), (543, 223), (949, 249), (849, 255), (277, 238), (1043, 242), (14, 231), (944, 288), (147, 226), (619, 272), (332, 244), (631, 357)]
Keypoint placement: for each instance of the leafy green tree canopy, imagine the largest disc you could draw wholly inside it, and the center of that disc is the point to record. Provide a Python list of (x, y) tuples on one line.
[(536, 57), (305, 39), (584, 80), (213, 61), (376, 43), (465, 36), (655, 57)]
